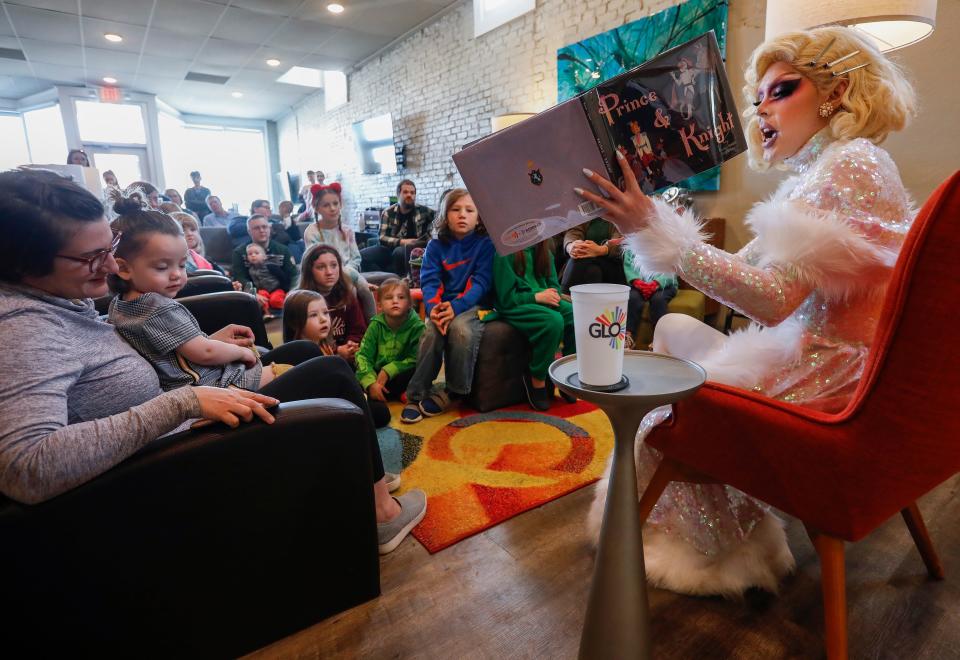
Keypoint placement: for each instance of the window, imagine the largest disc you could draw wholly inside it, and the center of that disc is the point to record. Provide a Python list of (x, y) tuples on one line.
[(334, 89), (232, 161), (375, 148), (491, 14), (48, 145), (14, 141), (110, 123)]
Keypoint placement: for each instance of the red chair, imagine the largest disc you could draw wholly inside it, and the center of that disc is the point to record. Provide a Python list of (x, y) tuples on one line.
[(844, 474)]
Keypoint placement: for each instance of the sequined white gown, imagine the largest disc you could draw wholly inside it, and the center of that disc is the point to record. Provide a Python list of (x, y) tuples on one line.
[(813, 281)]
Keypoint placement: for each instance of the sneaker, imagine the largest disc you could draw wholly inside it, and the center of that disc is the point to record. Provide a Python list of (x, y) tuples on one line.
[(555, 391), (435, 404), (538, 397), (411, 413), (393, 481), (413, 507)]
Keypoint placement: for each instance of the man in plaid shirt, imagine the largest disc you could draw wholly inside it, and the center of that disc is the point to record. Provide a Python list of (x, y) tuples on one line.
[(403, 227)]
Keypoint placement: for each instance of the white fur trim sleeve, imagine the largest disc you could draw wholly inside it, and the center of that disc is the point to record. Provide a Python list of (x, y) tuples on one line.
[(819, 247), (659, 247)]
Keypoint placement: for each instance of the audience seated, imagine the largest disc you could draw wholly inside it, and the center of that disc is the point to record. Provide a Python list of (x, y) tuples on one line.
[(284, 230), (594, 251), (218, 216), (258, 229), (146, 192), (403, 227), (328, 229), (99, 392), (191, 233)]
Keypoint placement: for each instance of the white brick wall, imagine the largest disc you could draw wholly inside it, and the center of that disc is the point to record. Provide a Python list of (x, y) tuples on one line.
[(442, 86)]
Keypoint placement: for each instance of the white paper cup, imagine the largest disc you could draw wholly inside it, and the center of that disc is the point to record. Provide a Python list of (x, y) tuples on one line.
[(600, 323)]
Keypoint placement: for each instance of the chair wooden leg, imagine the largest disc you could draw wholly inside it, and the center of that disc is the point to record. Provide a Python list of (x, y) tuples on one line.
[(833, 584), (918, 530), (666, 472)]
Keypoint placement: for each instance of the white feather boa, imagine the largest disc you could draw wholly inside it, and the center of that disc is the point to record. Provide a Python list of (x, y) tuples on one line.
[(658, 247), (821, 248)]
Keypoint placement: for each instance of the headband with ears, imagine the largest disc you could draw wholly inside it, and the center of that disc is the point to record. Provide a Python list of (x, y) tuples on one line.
[(318, 188)]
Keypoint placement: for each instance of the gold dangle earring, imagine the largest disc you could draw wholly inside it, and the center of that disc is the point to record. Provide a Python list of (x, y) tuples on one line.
[(826, 109)]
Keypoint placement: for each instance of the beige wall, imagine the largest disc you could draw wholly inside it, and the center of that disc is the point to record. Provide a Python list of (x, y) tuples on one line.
[(442, 87), (927, 152)]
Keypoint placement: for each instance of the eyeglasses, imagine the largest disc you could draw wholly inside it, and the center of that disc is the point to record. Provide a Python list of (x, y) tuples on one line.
[(97, 259)]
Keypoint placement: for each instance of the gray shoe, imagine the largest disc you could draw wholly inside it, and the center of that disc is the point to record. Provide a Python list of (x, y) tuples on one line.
[(413, 507), (393, 481)]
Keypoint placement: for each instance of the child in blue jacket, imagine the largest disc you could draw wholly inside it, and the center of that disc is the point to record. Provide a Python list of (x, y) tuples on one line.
[(455, 277)]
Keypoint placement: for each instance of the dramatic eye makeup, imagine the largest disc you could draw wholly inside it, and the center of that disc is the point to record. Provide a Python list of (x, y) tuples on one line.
[(781, 89)]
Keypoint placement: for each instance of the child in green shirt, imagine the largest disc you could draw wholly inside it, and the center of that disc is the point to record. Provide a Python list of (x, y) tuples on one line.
[(388, 353), (528, 298)]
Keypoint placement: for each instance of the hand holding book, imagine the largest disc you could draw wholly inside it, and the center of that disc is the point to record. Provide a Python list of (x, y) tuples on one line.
[(628, 209)]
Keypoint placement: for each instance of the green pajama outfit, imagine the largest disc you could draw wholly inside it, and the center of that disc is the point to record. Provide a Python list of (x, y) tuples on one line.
[(544, 326)]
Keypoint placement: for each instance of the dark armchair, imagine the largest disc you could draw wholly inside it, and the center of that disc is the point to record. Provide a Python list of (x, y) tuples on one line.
[(207, 543), (199, 284), (216, 310)]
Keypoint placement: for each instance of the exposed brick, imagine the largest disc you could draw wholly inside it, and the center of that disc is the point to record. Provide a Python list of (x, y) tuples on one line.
[(442, 86)]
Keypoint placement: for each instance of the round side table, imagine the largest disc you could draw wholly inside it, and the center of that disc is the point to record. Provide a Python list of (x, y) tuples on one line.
[(617, 621)]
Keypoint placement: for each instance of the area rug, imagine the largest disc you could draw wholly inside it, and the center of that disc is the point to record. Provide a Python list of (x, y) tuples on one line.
[(479, 469)]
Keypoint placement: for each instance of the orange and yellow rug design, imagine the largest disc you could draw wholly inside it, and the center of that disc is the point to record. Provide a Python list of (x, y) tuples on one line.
[(479, 469)]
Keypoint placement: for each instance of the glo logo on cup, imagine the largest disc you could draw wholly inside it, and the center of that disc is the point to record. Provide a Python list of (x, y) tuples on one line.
[(610, 325)]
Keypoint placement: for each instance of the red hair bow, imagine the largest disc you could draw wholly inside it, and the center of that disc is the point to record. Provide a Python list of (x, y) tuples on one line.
[(318, 188)]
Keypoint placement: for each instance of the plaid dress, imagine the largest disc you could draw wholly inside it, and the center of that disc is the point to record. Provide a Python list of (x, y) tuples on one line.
[(156, 326)]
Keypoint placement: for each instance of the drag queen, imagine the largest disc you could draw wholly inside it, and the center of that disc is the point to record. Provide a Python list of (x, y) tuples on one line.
[(812, 280)]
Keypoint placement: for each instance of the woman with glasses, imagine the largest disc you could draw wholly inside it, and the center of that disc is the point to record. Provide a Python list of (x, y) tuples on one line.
[(88, 399)]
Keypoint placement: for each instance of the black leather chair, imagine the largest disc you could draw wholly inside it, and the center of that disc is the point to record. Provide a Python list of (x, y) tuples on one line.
[(215, 310), (207, 543), (204, 271), (218, 246), (200, 284)]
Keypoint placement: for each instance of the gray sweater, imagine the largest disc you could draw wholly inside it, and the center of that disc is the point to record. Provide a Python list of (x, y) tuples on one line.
[(75, 399)]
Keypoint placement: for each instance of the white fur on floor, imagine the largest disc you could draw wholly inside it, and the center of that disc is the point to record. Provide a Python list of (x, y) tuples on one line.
[(760, 560)]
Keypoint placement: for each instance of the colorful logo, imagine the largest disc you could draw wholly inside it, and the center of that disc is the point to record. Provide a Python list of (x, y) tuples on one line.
[(523, 233), (610, 325)]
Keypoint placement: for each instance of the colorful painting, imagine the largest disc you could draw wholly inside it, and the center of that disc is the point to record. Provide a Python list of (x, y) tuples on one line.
[(585, 64)]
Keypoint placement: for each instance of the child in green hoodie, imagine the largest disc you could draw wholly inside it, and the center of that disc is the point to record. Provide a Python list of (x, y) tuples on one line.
[(528, 298), (388, 353)]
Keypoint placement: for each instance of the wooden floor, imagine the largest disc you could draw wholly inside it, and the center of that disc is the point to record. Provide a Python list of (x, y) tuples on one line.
[(518, 591)]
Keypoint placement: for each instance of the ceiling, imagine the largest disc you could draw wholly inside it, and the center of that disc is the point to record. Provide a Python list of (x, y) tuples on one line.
[(63, 43)]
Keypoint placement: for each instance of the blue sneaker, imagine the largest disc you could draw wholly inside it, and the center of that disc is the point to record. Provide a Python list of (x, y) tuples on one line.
[(411, 413), (435, 404)]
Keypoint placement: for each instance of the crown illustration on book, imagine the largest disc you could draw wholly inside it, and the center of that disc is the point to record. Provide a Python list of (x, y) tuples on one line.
[(815, 62)]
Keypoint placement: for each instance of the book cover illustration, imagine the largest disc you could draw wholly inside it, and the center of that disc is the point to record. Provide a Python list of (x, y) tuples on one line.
[(672, 117)]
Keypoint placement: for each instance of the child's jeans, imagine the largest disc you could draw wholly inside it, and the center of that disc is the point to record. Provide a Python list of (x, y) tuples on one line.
[(459, 347)]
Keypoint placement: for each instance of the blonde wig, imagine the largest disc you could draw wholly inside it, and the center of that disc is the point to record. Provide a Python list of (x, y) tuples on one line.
[(878, 99)]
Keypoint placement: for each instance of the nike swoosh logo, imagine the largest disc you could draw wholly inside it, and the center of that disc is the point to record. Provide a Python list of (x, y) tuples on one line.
[(455, 264)]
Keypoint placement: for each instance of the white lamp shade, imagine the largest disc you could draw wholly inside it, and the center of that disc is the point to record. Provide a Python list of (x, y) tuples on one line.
[(499, 122), (891, 24)]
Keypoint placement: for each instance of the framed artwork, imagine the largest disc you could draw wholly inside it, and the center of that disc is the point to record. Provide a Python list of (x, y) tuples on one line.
[(587, 63)]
